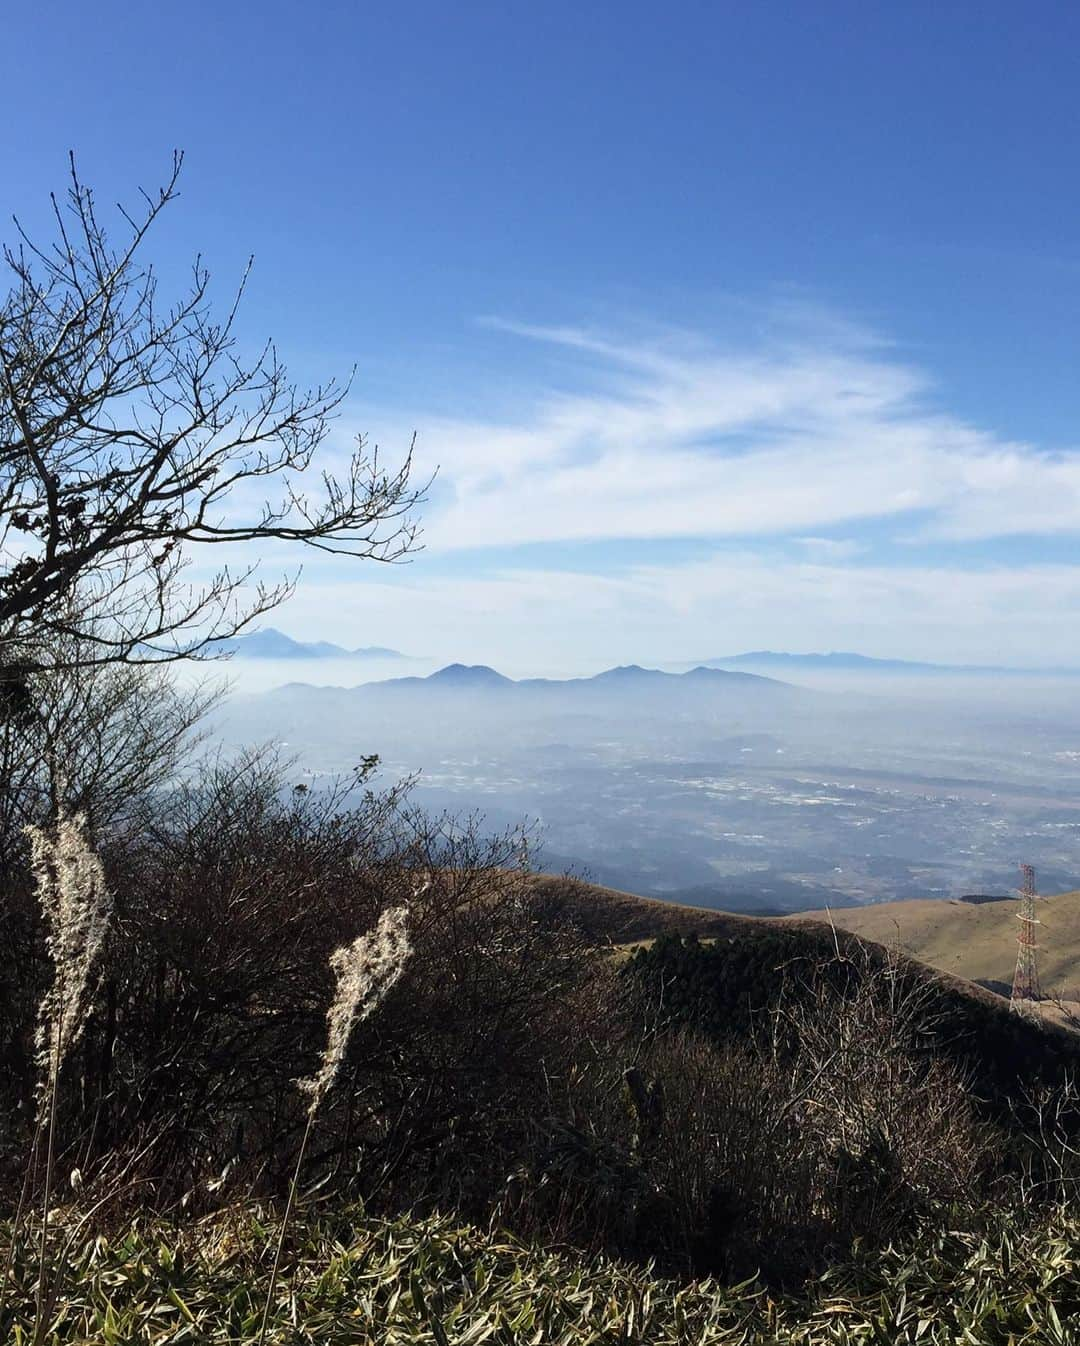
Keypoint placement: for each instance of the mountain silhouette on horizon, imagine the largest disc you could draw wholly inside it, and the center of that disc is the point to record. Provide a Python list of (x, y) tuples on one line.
[(271, 643), (850, 661), (626, 680)]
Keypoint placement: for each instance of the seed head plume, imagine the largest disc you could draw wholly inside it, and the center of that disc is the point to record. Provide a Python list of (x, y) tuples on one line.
[(365, 970), (77, 907)]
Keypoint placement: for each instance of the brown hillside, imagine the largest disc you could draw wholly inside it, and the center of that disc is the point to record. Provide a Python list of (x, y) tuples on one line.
[(974, 941), (971, 944), (624, 918)]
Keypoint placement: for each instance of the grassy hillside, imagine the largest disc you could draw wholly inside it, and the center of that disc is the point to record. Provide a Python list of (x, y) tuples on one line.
[(743, 965), (974, 942), (350, 1278), (969, 940), (624, 918)]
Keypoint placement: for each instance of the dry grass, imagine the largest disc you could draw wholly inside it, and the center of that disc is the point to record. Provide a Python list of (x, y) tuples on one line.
[(627, 919), (974, 941), (973, 944)]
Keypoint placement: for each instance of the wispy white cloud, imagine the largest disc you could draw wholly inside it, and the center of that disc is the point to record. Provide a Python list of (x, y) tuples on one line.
[(674, 439), (789, 464), (829, 548)]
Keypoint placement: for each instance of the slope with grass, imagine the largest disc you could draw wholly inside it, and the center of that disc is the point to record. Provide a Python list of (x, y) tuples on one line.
[(350, 1278), (611, 915), (742, 965), (976, 941)]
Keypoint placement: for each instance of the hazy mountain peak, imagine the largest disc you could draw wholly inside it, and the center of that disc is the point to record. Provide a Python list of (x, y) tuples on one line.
[(469, 675), (707, 673), (629, 672), (270, 643), (843, 660)]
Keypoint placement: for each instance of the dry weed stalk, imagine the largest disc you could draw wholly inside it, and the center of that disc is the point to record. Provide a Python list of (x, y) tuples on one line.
[(365, 971), (77, 907)]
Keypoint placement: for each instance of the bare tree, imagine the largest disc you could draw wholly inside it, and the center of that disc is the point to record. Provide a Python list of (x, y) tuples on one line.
[(91, 738), (132, 431)]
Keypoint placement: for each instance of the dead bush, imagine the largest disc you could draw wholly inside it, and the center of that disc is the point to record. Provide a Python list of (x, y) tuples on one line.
[(231, 891)]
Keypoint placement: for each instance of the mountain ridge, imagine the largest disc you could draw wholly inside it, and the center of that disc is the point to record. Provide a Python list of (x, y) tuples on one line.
[(851, 661), (270, 643), (972, 940), (482, 677), (969, 946)]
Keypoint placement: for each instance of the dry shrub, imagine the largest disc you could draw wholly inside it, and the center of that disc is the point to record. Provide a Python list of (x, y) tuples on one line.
[(890, 1116), (837, 1121), (231, 894), (1044, 1142), (513, 1073)]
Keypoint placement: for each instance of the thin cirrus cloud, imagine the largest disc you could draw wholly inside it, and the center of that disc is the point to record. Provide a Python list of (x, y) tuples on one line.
[(677, 500), (676, 440)]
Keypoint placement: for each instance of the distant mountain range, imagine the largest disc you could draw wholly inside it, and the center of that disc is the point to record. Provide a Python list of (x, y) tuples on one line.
[(273, 644), (845, 661), (628, 678), (466, 688), (462, 710)]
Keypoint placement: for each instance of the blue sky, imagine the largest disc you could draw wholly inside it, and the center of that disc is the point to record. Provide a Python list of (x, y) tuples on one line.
[(728, 325)]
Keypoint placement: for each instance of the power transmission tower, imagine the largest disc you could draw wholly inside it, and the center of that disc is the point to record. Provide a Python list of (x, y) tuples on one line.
[(1025, 987)]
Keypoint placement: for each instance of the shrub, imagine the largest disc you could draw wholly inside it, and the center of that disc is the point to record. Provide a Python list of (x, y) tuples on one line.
[(718, 1107), (230, 893)]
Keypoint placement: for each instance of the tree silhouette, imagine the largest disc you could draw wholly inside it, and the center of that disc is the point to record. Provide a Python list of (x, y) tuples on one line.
[(133, 432)]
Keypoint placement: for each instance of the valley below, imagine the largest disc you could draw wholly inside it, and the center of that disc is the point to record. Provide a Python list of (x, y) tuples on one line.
[(729, 791)]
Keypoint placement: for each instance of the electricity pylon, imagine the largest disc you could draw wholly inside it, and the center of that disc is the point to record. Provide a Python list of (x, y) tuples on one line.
[(1025, 987)]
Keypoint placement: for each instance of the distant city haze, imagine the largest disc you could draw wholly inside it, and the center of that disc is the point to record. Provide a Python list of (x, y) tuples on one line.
[(785, 785)]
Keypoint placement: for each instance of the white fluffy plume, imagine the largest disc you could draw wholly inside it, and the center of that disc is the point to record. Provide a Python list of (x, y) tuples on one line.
[(365, 970), (77, 907)]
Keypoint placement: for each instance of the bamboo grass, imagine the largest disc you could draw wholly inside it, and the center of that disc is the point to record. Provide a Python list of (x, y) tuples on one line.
[(350, 1278)]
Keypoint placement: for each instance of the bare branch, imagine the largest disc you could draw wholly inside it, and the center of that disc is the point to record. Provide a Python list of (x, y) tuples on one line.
[(130, 435)]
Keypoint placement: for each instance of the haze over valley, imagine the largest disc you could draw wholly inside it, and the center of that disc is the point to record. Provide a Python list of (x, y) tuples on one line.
[(777, 784)]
